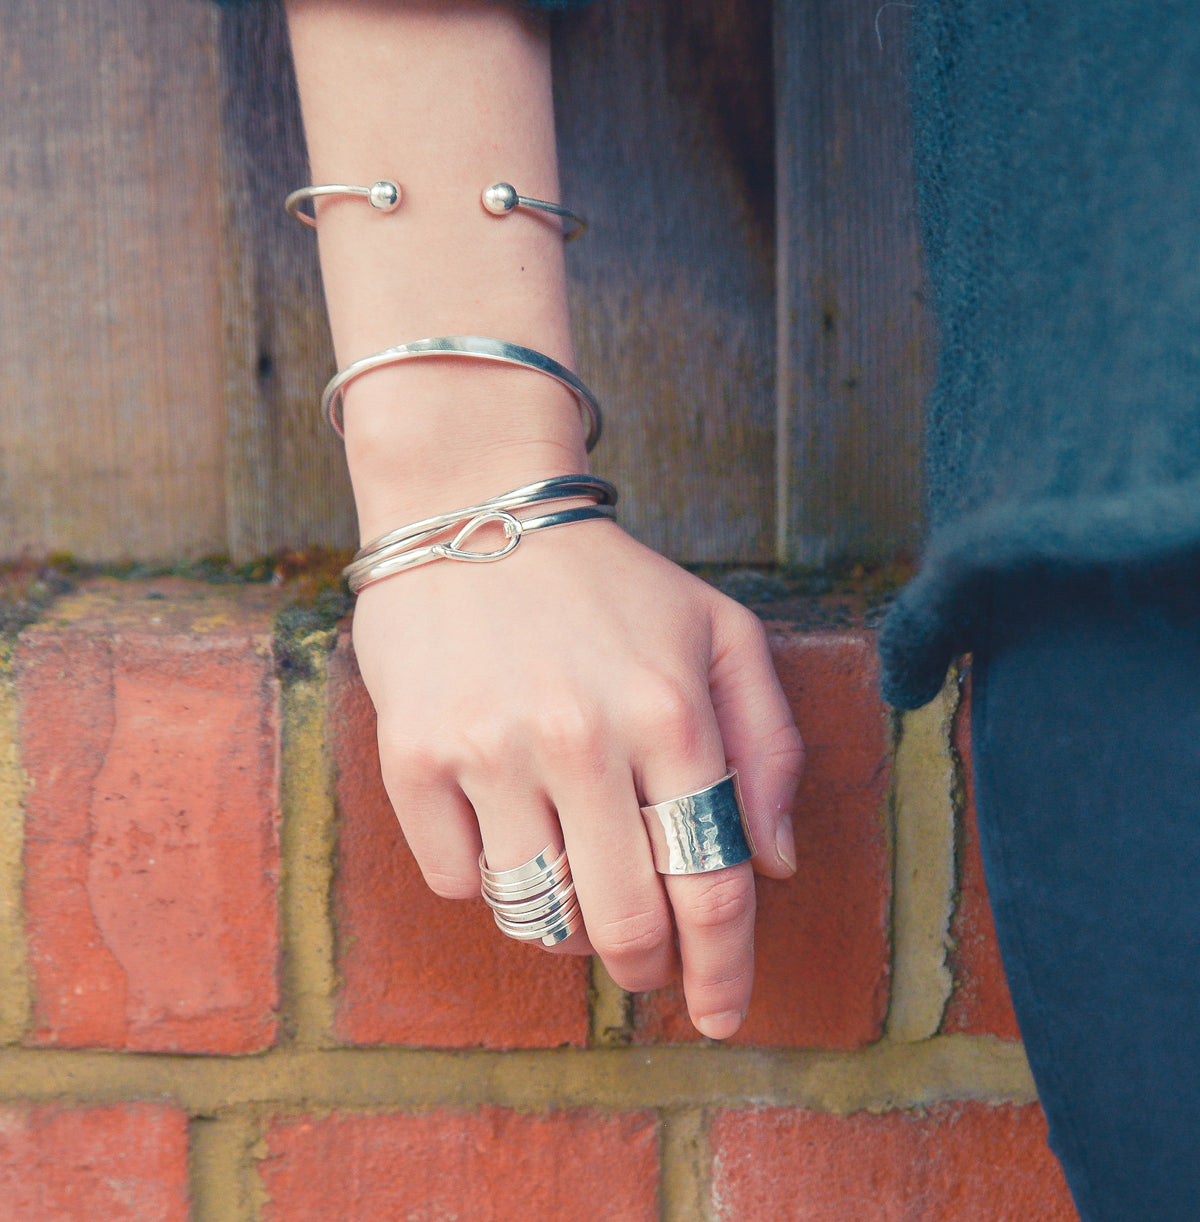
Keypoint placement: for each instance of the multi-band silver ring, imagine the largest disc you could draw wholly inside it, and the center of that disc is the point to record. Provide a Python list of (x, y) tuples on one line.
[(701, 831), (535, 901), (499, 199), (477, 347)]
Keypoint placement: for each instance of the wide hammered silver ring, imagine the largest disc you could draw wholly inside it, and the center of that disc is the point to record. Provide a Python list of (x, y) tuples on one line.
[(700, 831)]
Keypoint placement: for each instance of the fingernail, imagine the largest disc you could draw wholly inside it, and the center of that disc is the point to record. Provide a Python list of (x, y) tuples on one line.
[(785, 843), (719, 1026)]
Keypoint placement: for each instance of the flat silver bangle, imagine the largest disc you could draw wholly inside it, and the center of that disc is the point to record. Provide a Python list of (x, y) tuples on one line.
[(502, 197), (384, 196), (479, 347), (557, 488), (515, 529)]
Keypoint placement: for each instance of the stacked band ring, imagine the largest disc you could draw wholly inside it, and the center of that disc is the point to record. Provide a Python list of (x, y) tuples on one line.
[(534, 902)]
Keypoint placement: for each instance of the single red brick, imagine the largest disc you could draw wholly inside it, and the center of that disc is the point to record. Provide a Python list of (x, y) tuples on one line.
[(947, 1164), (822, 941), (417, 969), (149, 733), (494, 1165), (119, 1164), (980, 1003)]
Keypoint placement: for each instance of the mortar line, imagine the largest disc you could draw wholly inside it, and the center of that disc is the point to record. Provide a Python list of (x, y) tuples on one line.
[(16, 1002), (307, 848), (884, 1076), (222, 1157), (684, 1155), (924, 868), (610, 1010)]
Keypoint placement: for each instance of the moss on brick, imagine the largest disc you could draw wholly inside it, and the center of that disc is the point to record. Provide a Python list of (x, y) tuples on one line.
[(305, 632)]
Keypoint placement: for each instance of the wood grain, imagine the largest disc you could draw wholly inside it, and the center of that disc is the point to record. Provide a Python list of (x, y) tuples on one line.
[(664, 115), (111, 436), (164, 340), (855, 346), (285, 474)]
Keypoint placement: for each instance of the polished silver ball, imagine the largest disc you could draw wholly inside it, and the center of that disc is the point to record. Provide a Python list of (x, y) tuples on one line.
[(384, 195), (500, 197)]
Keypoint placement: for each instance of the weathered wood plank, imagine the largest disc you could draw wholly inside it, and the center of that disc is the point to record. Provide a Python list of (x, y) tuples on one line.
[(664, 116), (165, 338), (855, 347), (111, 433), (286, 482)]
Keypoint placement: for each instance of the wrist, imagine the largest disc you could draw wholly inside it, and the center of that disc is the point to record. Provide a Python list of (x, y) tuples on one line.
[(428, 439)]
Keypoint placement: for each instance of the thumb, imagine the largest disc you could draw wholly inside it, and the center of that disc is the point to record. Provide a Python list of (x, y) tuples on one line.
[(759, 733)]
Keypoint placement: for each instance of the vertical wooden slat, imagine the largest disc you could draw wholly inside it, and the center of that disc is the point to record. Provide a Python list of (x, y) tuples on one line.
[(285, 475), (664, 116), (855, 348), (111, 434), (164, 339)]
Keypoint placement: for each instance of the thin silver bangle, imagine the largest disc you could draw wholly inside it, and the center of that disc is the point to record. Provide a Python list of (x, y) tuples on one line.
[(502, 197), (499, 199), (383, 196), (480, 347)]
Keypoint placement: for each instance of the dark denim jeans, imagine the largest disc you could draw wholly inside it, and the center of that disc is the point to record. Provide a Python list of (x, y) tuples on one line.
[(1086, 741)]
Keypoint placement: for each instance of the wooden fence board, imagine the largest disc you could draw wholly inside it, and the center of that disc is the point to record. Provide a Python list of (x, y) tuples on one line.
[(664, 115), (286, 481), (164, 340), (855, 346), (111, 437)]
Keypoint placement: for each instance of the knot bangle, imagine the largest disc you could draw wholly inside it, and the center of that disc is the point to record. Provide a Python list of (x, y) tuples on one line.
[(560, 487), (415, 545), (384, 196), (376, 567), (478, 347)]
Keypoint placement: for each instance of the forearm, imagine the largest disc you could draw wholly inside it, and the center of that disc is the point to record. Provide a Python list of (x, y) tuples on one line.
[(444, 99)]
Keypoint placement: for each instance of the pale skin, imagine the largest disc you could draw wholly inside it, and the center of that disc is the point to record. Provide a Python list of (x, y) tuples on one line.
[(543, 698)]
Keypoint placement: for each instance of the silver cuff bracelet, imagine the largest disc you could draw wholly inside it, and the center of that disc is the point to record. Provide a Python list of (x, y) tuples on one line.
[(499, 199), (478, 347), (383, 195)]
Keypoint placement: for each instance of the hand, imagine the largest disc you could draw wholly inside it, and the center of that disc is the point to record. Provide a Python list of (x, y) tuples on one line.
[(563, 687)]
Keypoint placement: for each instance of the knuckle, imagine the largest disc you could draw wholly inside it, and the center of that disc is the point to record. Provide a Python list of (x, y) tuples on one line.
[(668, 710), (635, 936), (641, 979), (721, 900), (451, 886), (404, 754), (785, 749), (570, 732), (745, 628), (487, 744)]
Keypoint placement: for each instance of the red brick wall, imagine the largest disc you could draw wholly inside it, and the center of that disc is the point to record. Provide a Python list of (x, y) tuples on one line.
[(206, 1006)]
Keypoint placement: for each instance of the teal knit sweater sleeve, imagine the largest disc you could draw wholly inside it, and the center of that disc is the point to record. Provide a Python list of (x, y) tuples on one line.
[(1058, 166)]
